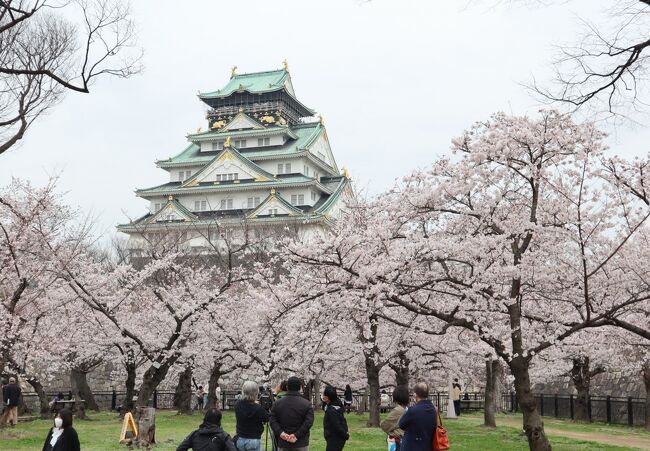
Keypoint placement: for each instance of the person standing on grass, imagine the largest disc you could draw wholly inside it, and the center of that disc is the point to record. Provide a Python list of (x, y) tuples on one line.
[(456, 396), (335, 428), (62, 437), (209, 436), (11, 398), (291, 418), (250, 418), (390, 425), (419, 421), (347, 397), (200, 393)]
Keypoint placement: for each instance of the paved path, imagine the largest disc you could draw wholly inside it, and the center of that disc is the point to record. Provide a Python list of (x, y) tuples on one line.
[(600, 437)]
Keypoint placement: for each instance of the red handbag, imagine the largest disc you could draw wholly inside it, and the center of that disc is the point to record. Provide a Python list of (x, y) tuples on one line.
[(440, 439)]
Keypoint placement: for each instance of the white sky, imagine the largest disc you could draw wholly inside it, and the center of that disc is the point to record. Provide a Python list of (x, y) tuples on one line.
[(394, 79)]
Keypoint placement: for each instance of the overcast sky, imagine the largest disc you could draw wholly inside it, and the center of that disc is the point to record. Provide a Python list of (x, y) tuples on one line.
[(394, 79)]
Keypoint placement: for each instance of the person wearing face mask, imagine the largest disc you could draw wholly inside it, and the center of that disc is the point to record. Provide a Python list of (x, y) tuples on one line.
[(62, 437)]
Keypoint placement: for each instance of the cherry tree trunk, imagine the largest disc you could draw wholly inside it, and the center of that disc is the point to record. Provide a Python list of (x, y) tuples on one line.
[(127, 404), (581, 377), (489, 414), (497, 377), (533, 424), (213, 383), (374, 399), (81, 389), (43, 402), (401, 369), (183, 392), (646, 383), (146, 427), (154, 375)]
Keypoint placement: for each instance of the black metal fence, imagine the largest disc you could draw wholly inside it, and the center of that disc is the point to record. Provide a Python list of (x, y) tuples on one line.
[(607, 409)]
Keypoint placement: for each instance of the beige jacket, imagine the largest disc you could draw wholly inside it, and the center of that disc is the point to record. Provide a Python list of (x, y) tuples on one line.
[(391, 424)]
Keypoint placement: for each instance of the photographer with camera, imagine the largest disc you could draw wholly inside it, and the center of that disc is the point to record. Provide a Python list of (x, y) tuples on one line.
[(250, 417)]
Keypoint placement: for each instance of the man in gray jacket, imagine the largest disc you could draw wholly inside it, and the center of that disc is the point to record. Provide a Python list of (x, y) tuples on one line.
[(291, 418)]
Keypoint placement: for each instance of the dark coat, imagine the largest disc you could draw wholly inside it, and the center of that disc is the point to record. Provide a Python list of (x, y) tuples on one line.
[(208, 437), (67, 441), (419, 425), (250, 419), (11, 395), (292, 414), (335, 428)]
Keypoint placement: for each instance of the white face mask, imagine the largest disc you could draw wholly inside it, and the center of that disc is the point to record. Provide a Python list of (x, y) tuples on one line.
[(58, 422)]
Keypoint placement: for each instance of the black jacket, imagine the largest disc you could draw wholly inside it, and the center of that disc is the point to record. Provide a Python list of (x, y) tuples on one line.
[(68, 441), (250, 419), (335, 428), (11, 395), (208, 437), (292, 414)]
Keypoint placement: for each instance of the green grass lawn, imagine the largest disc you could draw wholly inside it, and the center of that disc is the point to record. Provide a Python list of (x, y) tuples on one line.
[(102, 431)]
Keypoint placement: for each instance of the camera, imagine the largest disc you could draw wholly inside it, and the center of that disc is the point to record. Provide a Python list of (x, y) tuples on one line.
[(266, 398)]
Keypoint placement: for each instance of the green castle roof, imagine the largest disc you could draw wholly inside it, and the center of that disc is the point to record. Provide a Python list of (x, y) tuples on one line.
[(305, 133), (257, 82)]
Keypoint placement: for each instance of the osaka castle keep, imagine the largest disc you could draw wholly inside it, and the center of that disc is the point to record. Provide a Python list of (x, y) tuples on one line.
[(263, 164)]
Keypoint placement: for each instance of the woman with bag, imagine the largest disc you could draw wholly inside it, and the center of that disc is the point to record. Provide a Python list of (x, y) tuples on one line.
[(391, 424), (62, 437), (209, 436)]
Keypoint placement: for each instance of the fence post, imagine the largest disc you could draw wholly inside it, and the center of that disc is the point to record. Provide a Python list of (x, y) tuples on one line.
[(113, 400), (555, 402), (438, 401), (541, 404), (571, 406), (589, 407), (630, 412), (155, 399), (608, 408)]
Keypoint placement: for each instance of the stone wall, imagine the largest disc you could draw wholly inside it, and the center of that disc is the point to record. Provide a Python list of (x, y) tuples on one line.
[(601, 385)]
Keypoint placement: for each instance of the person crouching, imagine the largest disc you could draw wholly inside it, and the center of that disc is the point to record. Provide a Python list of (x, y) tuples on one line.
[(209, 436)]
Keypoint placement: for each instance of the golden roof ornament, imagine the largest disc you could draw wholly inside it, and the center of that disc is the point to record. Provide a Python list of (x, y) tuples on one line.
[(233, 71), (226, 143), (346, 173), (198, 130), (272, 191), (321, 120), (285, 65), (170, 198)]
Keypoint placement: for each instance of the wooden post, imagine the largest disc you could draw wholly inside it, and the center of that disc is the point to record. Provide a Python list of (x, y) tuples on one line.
[(155, 399), (113, 400), (589, 407), (608, 409), (555, 405), (541, 404), (630, 412), (571, 406)]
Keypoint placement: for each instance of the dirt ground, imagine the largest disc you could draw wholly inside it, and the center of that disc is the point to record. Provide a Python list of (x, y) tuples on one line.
[(618, 440)]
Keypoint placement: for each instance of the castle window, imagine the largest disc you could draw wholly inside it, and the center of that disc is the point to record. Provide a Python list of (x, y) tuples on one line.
[(297, 199), (306, 170), (226, 204), (287, 168), (241, 143), (280, 168), (157, 207), (273, 211), (253, 202), (217, 145), (200, 205)]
